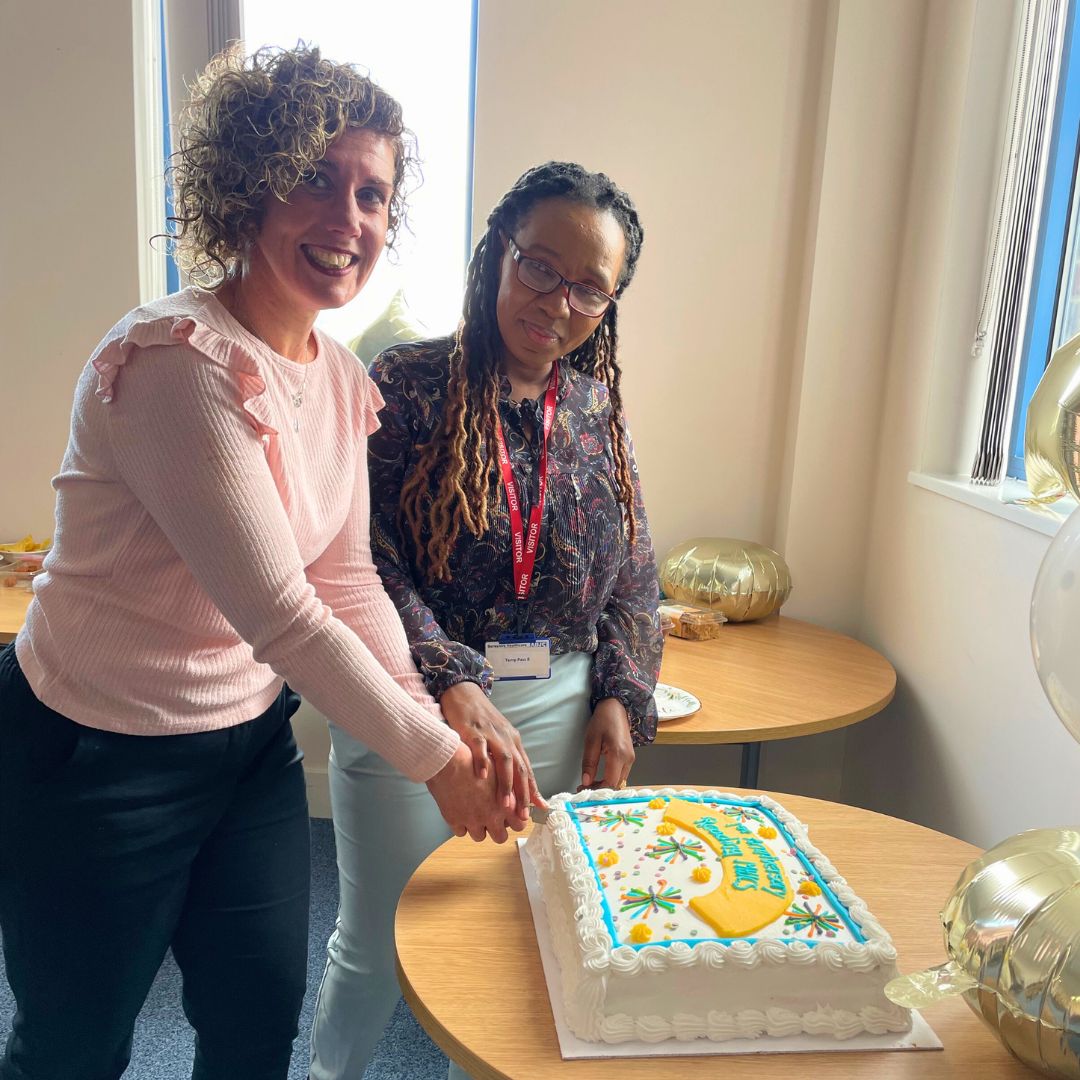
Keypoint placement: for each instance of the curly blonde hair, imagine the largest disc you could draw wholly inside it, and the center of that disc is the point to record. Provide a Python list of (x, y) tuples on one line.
[(256, 126)]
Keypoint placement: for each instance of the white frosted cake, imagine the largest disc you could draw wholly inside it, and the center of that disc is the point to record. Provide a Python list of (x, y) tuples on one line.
[(685, 914)]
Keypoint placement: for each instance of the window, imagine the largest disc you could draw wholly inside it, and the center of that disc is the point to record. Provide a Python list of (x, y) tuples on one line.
[(172, 271), (1053, 313), (151, 137), (422, 52)]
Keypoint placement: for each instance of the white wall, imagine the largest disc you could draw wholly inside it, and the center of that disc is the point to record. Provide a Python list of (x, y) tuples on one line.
[(813, 218), (68, 254), (844, 321), (970, 745), (702, 118)]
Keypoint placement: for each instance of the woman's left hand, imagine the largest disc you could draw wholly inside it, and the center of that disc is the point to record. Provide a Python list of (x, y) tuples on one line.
[(493, 739), (607, 739)]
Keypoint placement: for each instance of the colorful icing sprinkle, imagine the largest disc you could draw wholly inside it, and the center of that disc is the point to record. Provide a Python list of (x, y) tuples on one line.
[(607, 858), (809, 888), (740, 814), (670, 850), (612, 819), (701, 873), (644, 902), (767, 832), (818, 921), (640, 934)]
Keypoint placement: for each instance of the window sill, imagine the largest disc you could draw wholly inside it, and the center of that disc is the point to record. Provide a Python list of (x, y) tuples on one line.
[(998, 499)]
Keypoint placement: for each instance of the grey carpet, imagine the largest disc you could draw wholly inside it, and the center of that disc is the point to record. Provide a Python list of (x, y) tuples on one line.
[(164, 1043)]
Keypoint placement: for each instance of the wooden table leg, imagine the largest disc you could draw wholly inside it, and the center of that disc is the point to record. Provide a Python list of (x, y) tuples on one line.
[(751, 759)]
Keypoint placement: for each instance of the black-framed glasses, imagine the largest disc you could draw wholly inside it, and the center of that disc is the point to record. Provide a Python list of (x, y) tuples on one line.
[(541, 278)]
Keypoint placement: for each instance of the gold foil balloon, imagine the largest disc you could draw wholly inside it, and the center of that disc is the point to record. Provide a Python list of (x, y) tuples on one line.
[(742, 579), (1012, 932), (1052, 435), (1055, 623)]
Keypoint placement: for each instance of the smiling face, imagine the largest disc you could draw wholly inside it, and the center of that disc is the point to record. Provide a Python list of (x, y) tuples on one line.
[(582, 244), (317, 250)]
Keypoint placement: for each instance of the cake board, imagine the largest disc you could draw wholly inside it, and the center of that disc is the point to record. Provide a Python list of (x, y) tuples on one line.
[(920, 1037)]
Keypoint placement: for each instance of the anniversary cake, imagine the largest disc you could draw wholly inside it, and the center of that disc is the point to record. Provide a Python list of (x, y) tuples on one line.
[(685, 914)]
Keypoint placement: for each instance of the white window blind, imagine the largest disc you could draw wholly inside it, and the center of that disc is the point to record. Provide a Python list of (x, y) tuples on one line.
[(1012, 240)]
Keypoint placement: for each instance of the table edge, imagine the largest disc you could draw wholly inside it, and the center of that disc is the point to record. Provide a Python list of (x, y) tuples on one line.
[(668, 735)]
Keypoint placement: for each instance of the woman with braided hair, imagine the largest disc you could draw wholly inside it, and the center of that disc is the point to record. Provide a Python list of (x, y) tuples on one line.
[(508, 528)]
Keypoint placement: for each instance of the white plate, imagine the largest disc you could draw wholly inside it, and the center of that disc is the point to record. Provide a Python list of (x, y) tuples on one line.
[(673, 703)]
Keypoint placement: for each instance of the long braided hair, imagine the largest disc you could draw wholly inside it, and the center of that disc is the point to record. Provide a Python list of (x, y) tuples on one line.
[(450, 485)]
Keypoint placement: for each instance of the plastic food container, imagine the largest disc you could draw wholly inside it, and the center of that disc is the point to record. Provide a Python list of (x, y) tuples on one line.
[(19, 574), (692, 623)]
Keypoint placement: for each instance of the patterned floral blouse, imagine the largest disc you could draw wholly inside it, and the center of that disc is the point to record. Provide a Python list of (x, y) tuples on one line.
[(592, 591)]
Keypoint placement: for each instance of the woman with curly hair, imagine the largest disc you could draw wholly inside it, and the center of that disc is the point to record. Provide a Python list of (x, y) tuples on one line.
[(508, 526), (212, 543)]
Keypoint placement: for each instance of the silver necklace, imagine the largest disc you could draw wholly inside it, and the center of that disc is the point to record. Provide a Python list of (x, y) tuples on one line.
[(298, 400)]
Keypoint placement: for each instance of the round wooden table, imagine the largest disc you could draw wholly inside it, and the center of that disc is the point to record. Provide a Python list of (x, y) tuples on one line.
[(470, 968), (772, 679)]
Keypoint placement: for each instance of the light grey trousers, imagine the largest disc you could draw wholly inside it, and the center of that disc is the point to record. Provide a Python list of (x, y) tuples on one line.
[(385, 826)]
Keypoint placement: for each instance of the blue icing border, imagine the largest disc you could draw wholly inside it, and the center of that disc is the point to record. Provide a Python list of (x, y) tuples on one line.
[(837, 905)]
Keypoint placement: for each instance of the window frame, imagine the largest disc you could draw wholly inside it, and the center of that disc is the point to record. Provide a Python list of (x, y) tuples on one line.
[(172, 270), (148, 65), (1055, 227)]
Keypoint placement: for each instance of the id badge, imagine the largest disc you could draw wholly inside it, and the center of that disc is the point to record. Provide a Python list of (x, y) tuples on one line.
[(519, 656)]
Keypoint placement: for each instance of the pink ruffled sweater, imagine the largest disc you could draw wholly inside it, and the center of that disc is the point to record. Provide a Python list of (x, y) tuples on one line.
[(212, 540)]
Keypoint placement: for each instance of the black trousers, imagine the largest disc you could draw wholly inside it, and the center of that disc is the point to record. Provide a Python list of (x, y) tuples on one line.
[(114, 848)]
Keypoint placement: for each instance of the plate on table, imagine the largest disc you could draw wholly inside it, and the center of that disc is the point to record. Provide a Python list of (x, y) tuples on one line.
[(673, 703), (13, 556)]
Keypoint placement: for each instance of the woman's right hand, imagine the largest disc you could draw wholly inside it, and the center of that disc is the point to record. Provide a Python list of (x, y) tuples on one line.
[(469, 803), (489, 735)]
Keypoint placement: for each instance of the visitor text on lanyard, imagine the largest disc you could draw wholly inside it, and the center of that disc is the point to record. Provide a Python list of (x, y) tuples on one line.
[(522, 655)]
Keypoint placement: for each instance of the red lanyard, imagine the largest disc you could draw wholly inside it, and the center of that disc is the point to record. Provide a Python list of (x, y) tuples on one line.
[(523, 547)]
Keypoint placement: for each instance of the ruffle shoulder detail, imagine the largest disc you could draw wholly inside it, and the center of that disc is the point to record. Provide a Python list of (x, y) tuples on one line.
[(374, 402), (183, 319), (370, 400)]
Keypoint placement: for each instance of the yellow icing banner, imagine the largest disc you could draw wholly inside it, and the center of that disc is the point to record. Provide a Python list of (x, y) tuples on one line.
[(755, 890)]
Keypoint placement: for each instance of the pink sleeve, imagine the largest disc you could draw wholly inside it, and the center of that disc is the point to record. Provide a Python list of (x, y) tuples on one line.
[(344, 576), (188, 453)]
